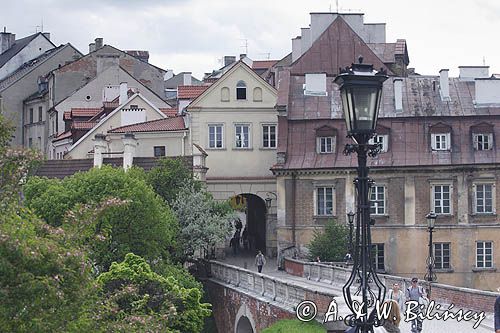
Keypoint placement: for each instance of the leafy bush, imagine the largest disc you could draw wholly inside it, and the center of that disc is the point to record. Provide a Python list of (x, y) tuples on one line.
[(330, 244), (169, 176), (143, 225), (136, 299), (295, 326), (45, 285)]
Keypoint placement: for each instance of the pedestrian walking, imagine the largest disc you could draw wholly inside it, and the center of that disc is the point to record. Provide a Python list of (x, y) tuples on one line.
[(416, 293), (397, 295), (497, 313), (260, 261)]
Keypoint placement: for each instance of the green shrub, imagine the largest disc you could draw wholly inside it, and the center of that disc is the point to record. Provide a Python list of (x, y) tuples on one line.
[(330, 244), (295, 326)]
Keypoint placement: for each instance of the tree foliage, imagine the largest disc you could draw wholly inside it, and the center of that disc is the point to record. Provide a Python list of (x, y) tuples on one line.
[(330, 244), (136, 299), (204, 222), (169, 176), (143, 225)]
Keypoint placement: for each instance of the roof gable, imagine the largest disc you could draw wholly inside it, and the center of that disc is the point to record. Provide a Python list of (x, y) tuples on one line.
[(337, 47), (239, 71), (109, 116)]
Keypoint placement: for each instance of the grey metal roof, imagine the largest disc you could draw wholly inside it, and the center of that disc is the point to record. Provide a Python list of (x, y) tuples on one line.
[(18, 45), (178, 80)]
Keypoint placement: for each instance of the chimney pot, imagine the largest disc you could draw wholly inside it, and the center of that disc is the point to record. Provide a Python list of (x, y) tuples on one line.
[(123, 93)]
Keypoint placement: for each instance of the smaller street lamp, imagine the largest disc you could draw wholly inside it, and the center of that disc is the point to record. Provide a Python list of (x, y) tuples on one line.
[(269, 200), (350, 219), (430, 276)]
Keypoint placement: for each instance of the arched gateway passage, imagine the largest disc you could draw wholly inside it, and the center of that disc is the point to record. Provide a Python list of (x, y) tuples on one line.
[(244, 326), (252, 214)]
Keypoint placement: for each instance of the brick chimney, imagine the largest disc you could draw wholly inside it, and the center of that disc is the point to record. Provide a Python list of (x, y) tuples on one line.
[(7, 39), (98, 43)]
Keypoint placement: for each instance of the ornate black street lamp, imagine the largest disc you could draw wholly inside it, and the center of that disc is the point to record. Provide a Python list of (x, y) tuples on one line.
[(350, 219), (361, 91), (430, 276)]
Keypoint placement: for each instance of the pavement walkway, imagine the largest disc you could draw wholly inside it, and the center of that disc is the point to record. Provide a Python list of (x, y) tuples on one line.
[(429, 326)]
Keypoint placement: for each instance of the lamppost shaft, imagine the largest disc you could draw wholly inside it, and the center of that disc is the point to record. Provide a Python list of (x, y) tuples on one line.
[(430, 276)]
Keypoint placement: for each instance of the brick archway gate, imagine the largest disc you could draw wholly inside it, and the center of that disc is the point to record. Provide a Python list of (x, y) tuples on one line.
[(244, 322)]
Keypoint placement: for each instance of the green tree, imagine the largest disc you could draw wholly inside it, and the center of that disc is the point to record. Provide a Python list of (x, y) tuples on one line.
[(144, 224), (295, 326), (204, 222), (169, 176), (136, 299), (330, 244)]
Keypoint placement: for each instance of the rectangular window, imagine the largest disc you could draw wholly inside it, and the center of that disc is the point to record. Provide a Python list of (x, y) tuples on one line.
[(483, 198), (39, 113), (242, 136), (441, 199), (31, 115), (269, 136), (30, 142), (483, 141), (39, 143), (484, 254), (441, 141), (378, 257), (442, 255), (325, 145), (382, 140), (159, 151), (324, 198), (215, 136), (377, 200)]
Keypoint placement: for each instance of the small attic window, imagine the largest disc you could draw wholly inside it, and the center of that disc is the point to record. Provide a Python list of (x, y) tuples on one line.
[(241, 90), (315, 84)]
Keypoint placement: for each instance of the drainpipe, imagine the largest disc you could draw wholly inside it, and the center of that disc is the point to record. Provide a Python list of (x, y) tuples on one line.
[(183, 141), (294, 189)]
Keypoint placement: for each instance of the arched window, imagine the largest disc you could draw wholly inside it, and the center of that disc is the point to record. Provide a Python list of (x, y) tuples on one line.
[(224, 94), (241, 90), (257, 94)]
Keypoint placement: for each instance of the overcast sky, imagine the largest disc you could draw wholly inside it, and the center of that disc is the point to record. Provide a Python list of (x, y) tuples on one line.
[(193, 35)]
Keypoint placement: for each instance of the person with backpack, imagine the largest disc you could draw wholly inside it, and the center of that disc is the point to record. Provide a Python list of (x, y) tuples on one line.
[(416, 293)]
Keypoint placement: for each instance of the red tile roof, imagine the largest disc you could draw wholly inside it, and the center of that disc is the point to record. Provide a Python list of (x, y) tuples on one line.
[(190, 92), (85, 112), (169, 112), (160, 125), (263, 64), (83, 125), (62, 136)]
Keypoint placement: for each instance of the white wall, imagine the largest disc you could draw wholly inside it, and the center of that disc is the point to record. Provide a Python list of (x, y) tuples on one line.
[(35, 48)]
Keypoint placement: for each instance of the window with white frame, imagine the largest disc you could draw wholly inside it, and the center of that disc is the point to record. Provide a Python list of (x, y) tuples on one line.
[(442, 255), (242, 136), (484, 254), (378, 256), (483, 141), (377, 200), (325, 144), (324, 201), (440, 141), (215, 136), (483, 198), (269, 136), (241, 90), (441, 198), (382, 140)]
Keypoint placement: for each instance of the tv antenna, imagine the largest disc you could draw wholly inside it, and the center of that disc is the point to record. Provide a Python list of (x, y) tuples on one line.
[(245, 45)]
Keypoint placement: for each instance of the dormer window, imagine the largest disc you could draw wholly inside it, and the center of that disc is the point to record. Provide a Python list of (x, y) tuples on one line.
[(325, 139), (440, 137), (483, 141), (440, 141), (325, 144), (382, 140), (241, 90)]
